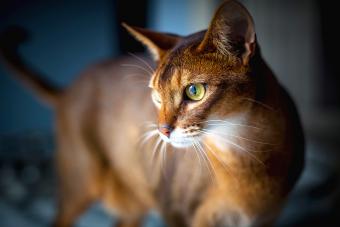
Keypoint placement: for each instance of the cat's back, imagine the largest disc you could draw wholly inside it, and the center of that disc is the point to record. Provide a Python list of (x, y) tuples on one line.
[(108, 105), (109, 87)]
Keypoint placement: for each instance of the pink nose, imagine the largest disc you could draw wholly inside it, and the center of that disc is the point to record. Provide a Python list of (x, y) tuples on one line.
[(165, 130)]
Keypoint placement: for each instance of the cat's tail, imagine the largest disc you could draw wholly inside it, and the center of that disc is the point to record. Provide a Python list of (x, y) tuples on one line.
[(9, 43)]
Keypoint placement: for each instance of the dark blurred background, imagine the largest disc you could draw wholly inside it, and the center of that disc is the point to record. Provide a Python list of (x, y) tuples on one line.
[(298, 40)]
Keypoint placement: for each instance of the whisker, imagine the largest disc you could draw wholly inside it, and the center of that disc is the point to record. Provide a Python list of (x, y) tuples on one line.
[(236, 145), (215, 155), (138, 67), (151, 126), (260, 103), (155, 149), (148, 124), (203, 158), (147, 135), (224, 165), (164, 150), (161, 156), (140, 83), (142, 60), (198, 157), (202, 150), (135, 75), (215, 122), (135, 78), (210, 166), (240, 137)]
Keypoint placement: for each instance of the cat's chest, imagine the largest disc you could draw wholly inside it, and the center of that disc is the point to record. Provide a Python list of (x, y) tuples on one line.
[(183, 181)]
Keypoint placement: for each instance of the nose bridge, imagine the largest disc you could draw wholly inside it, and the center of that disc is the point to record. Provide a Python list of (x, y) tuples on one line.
[(166, 116), (166, 120)]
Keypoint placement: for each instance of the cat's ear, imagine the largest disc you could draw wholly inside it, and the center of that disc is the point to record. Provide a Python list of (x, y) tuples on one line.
[(231, 30), (157, 43)]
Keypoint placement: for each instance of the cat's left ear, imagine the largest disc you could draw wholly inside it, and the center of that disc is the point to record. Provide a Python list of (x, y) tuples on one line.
[(157, 43), (231, 31)]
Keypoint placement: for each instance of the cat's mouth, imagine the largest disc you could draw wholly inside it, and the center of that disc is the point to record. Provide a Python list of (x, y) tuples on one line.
[(181, 138)]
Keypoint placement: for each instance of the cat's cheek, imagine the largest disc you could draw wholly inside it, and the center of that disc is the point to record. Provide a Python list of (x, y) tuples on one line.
[(193, 105)]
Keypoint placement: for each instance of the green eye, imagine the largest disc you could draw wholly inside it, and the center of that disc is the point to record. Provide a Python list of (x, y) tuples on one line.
[(195, 91)]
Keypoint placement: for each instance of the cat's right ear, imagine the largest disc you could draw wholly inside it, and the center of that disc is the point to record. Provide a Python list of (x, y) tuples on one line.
[(231, 30), (157, 43)]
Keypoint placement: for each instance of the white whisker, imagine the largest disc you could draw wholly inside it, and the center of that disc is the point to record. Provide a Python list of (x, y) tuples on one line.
[(138, 67), (161, 156), (260, 103), (216, 156), (202, 156), (148, 125), (136, 78), (239, 137), (224, 165), (210, 166), (136, 75), (147, 135), (164, 155), (154, 151), (142, 60), (197, 155), (235, 145), (225, 123)]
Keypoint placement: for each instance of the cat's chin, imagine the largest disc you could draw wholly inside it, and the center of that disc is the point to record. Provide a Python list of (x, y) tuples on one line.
[(184, 144), (178, 142)]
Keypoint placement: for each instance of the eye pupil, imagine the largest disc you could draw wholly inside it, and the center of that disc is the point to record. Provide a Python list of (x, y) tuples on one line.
[(193, 90)]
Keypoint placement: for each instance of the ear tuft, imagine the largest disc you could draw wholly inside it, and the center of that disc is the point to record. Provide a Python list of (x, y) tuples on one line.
[(157, 43)]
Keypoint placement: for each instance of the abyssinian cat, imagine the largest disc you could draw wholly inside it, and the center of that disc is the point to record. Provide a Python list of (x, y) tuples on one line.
[(223, 145)]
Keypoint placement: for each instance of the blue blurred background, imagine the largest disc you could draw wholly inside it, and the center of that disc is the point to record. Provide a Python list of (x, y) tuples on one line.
[(298, 40)]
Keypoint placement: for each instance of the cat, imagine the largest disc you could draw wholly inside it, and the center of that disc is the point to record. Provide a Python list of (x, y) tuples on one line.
[(225, 145)]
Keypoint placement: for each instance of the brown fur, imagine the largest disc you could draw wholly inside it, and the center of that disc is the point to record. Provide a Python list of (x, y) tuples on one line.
[(99, 123)]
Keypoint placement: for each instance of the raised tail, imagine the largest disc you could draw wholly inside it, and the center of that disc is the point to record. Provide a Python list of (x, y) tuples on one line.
[(9, 43)]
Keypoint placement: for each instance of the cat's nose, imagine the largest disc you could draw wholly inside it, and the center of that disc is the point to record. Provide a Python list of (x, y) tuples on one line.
[(165, 129)]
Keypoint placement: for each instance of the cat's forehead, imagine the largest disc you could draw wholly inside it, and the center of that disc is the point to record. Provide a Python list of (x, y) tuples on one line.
[(194, 70), (170, 76), (177, 77), (184, 65)]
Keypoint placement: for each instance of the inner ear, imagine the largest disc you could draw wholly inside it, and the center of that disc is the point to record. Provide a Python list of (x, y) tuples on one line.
[(157, 43), (231, 31)]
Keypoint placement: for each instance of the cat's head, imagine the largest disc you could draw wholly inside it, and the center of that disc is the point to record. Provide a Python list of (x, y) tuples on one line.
[(203, 77)]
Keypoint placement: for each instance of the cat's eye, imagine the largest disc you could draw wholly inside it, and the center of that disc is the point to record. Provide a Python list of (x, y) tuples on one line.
[(195, 92)]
